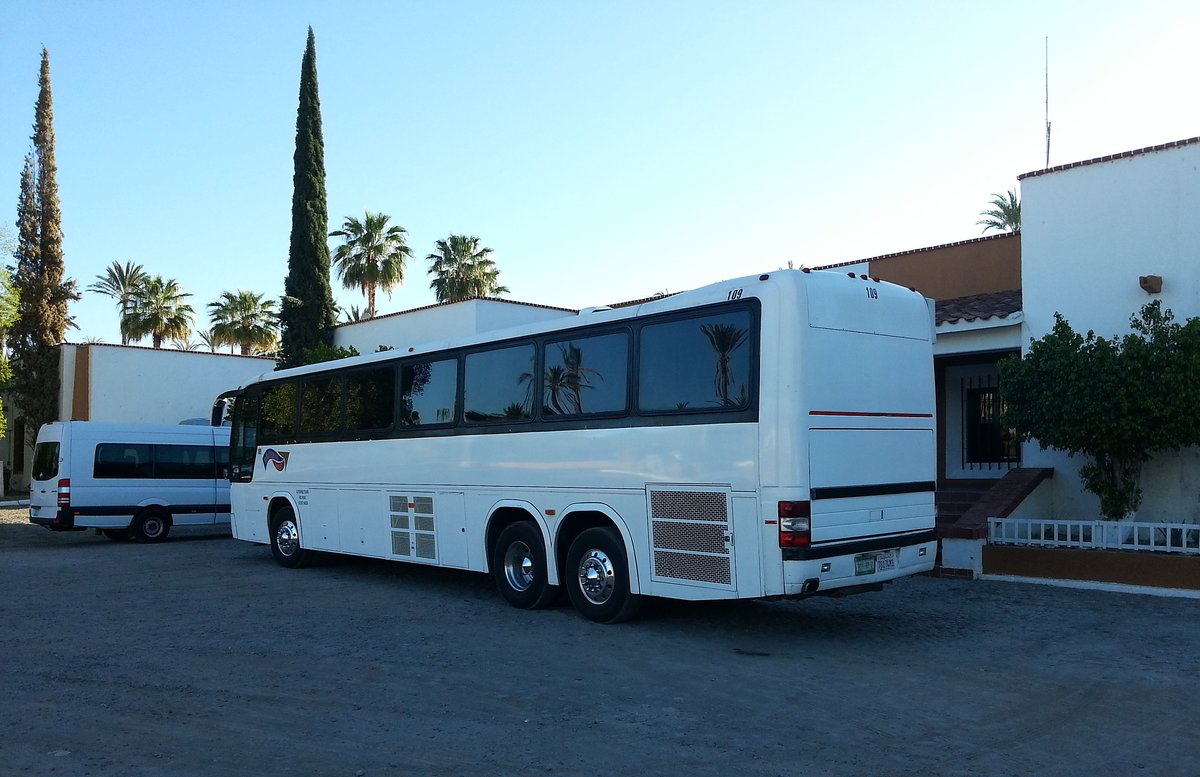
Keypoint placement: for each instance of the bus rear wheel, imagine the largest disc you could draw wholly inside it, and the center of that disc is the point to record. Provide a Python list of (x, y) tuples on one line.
[(519, 566), (150, 525), (598, 573), (285, 540)]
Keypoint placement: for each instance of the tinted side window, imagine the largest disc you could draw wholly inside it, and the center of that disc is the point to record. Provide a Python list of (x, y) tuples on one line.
[(123, 460), (370, 399), (696, 364), (427, 393), (243, 437), (499, 385), (320, 406), (278, 412), (190, 462), (586, 375), (45, 460)]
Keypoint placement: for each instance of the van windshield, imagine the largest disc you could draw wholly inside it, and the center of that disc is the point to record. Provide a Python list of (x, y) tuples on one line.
[(45, 460)]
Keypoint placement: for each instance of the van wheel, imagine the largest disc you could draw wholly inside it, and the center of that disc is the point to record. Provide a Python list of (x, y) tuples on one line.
[(120, 535), (597, 577), (519, 566), (285, 540), (150, 525)]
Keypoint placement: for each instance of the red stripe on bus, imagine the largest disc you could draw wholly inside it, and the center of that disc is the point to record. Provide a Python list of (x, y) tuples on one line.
[(857, 414)]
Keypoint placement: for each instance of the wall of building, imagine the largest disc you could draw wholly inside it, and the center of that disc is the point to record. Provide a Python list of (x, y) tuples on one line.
[(977, 266), (440, 322), (1089, 232), (147, 385)]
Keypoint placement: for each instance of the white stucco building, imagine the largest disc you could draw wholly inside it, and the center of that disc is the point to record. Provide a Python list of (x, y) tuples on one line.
[(440, 322), (100, 382), (1090, 231)]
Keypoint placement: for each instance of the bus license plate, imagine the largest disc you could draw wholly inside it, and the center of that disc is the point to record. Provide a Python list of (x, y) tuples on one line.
[(870, 563)]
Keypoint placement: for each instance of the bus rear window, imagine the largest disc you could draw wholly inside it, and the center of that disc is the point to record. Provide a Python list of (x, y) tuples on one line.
[(45, 461)]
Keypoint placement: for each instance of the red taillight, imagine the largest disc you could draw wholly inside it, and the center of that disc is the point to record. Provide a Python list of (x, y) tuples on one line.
[(795, 524), (64, 492)]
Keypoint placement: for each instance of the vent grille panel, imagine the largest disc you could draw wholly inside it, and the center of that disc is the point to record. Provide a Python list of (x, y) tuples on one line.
[(691, 536), (689, 505), (426, 546), (691, 566), (414, 527), (401, 543)]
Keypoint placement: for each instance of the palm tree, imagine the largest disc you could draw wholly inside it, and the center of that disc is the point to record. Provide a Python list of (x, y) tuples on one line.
[(158, 309), (208, 341), (463, 270), (120, 282), (724, 339), (1005, 214), (371, 255), (577, 376), (182, 344), (353, 315), (244, 319)]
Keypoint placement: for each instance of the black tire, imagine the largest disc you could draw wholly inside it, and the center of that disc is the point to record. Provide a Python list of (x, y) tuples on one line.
[(120, 535), (285, 540), (597, 577), (150, 525), (519, 567)]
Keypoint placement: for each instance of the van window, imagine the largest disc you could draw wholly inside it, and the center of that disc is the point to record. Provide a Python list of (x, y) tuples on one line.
[(161, 462), (123, 460), (45, 460), (187, 462)]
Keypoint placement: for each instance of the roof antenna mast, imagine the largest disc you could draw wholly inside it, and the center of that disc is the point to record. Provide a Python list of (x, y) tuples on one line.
[(1047, 102)]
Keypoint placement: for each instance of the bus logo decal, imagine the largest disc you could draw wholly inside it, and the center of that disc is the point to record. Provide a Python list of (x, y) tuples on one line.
[(275, 458)]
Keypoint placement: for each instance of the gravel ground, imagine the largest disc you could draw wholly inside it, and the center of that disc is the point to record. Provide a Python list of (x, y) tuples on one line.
[(200, 656)]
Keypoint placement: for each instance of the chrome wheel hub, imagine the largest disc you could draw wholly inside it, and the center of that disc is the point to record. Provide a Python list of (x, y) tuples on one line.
[(287, 538), (597, 579), (519, 568)]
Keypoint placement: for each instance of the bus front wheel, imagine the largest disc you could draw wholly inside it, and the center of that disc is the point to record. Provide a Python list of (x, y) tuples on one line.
[(285, 540), (150, 525), (519, 566), (598, 577)]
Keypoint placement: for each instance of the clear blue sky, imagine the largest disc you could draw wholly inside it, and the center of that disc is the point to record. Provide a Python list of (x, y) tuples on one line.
[(606, 151)]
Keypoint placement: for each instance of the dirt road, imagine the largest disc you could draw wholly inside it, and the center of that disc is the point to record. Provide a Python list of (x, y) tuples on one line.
[(201, 656)]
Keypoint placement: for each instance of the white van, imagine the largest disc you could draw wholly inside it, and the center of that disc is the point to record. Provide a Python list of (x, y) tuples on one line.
[(129, 480)]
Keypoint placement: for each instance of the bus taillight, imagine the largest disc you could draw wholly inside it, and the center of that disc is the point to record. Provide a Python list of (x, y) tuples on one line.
[(795, 524), (64, 492)]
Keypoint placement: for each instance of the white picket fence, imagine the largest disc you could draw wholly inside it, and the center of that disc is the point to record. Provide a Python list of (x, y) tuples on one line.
[(1108, 535)]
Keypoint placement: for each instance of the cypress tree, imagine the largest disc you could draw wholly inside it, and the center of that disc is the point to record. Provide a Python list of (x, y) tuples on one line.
[(43, 291), (307, 315)]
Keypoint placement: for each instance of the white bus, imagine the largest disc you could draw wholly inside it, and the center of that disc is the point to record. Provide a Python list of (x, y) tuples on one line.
[(766, 436), (129, 481)]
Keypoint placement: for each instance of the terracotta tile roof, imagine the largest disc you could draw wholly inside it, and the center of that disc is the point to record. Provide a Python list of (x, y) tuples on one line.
[(1111, 157), (978, 307), (1002, 236)]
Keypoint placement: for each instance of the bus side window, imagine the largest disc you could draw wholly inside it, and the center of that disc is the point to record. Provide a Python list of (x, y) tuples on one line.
[(370, 399), (278, 422), (696, 364), (427, 393), (500, 385), (586, 376)]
